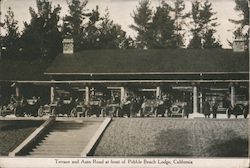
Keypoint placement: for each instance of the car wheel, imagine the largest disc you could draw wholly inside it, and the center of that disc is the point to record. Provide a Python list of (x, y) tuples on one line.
[(156, 113), (228, 113), (73, 113), (53, 112), (40, 112)]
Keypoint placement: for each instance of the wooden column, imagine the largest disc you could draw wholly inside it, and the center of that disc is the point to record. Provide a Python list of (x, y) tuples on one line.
[(158, 92), (195, 99), (17, 91), (52, 94), (123, 93), (201, 102), (232, 92), (87, 92)]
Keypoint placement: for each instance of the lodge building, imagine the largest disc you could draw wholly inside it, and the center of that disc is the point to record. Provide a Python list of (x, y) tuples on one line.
[(184, 74)]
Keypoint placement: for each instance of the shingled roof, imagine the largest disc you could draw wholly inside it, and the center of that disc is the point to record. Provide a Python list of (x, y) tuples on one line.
[(16, 70), (150, 61)]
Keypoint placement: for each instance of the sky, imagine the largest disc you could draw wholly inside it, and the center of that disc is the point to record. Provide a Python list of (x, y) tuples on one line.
[(121, 11)]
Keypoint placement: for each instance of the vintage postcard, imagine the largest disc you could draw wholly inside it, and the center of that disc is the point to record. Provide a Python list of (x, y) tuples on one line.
[(124, 83)]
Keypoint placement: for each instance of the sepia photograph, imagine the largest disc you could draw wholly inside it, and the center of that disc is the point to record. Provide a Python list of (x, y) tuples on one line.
[(128, 83)]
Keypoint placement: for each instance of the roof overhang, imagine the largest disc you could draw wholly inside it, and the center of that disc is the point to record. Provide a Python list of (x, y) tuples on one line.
[(149, 73), (133, 81)]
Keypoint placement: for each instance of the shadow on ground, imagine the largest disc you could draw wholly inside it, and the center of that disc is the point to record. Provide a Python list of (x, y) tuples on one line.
[(231, 146), (177, 138)]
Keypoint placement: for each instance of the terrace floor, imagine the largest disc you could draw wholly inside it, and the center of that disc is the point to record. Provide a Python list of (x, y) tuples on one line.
[(13, 132), (175, 137)]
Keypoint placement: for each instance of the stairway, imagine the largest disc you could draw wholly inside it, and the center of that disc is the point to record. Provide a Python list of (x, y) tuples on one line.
[(67, 138)]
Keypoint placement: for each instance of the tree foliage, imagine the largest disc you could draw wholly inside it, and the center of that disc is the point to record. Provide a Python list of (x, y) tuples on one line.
[(242, 24), (73, 23), (180, 17), (204, 23), (90, 30), (142, 24), (41, 38), (241, 6), (112, 35), (11, 40), (163, 28)]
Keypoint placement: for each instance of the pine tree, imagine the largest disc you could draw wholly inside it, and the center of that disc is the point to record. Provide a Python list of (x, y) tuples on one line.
[(163, 28), (73, 24), (179, 21), (241, 6), (209, 40), (92, 32), (241, 30), (143, 19), (195, 42), (41, 38), (204, 22), (11, 40), (112, 35), (209, 22)]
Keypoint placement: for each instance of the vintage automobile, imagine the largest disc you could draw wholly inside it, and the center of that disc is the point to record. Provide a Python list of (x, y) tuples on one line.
[(94, 108), (63, 108), (113, 110), (153, 107), (45, 109), (25, 108), (177, 109), (241, 108), (7, 110)]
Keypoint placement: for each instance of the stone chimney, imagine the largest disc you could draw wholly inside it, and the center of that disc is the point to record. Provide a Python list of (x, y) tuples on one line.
[(239, 45), (68, 46)]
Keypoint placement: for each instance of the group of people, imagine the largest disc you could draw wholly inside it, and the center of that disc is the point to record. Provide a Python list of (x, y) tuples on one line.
[(237, 109), (208, 109), (131, 106)]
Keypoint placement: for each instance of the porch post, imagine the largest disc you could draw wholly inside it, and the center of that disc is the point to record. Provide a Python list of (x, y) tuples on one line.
[(17, 91), (232, 88), (195, 99), (87, 94), (123, 93), (52, 94), (195, 104), (158, 92), (201, 102)]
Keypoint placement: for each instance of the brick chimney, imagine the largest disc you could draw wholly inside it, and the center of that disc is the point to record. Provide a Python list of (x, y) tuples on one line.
[(68, 46), (239, 44)]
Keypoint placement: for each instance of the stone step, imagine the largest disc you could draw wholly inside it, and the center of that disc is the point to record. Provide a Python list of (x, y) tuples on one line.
[(52, 143), (55, 153), (48, 150), (68, 136), (75, 140), (65, 138), (68, 131), (55, 143), (51, 155), (74, 133), (68, 127), (48, 147)]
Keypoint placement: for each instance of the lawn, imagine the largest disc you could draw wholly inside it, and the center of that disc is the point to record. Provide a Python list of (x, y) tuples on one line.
[(13, 132), (175, 137)]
